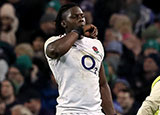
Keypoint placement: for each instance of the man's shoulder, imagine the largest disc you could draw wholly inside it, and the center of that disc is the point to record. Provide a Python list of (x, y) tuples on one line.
[(155, 81), (91, 39), (52, 39)]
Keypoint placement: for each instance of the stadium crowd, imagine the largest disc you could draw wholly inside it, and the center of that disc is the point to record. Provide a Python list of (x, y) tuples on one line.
[(128, 29)]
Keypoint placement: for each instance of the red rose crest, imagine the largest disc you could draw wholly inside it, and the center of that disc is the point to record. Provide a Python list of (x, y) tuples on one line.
[(95, 49)]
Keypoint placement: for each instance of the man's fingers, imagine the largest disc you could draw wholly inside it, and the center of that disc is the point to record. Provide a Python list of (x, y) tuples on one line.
[(88, 27), (93, 35), (90, 31), (95, 31), (87, 34)]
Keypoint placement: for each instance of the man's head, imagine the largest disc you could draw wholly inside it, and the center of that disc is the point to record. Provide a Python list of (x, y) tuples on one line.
[(33, 101), (37, 41), (24, 49), (7, 89), (69, 17), (15, 75), (7, 17), (120, 84), (125, 98), (47, 24), (20, 110), (151, 63)]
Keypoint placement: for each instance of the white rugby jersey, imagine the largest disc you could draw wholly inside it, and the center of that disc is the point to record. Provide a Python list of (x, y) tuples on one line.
[(77, 76)]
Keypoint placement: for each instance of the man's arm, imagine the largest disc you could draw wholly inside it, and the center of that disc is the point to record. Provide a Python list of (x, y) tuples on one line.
[(152, 102), (59, 47), (107, 104)]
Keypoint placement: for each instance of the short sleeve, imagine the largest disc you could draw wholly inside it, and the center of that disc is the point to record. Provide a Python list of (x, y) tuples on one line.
[(50, 40)]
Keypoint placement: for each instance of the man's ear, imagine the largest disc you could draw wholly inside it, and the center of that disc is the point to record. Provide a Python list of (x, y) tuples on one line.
[(63, 24)]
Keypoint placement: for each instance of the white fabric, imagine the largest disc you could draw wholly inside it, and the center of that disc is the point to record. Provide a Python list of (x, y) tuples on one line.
[(3, 69), (152, 102), (78, 77), (89, 113)]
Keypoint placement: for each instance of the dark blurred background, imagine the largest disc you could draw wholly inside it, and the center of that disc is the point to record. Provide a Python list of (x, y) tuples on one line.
[(128, 29)]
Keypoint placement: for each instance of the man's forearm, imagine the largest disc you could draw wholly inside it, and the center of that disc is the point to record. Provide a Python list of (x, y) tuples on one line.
[(107, 103)]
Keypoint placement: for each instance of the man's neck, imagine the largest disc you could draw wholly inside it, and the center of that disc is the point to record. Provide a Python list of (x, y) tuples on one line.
[(10, 99)]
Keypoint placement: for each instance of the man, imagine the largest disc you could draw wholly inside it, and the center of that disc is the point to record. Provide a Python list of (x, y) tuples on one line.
[(8, 95), (151, 105), (9, 24), (17, 77), (76, 62), (20, 110), (33, 102), (126, 100), (47, 25), (151, 69)]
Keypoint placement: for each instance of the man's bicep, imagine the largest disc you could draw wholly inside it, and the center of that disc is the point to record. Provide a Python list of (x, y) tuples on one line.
[(49, 46), (51, 50)]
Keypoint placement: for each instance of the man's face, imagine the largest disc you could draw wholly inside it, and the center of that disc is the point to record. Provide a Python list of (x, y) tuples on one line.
[(124, 99), (48, 27), (150, 65), (6, 23), (38, 44), (117, 87), (6, 89), (73, 18), (32, 105), (15, 76)]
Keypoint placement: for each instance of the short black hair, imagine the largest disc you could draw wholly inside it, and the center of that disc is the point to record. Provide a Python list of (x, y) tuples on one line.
[(12, 84), (59, 29), (128, 90), (31, 94)]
